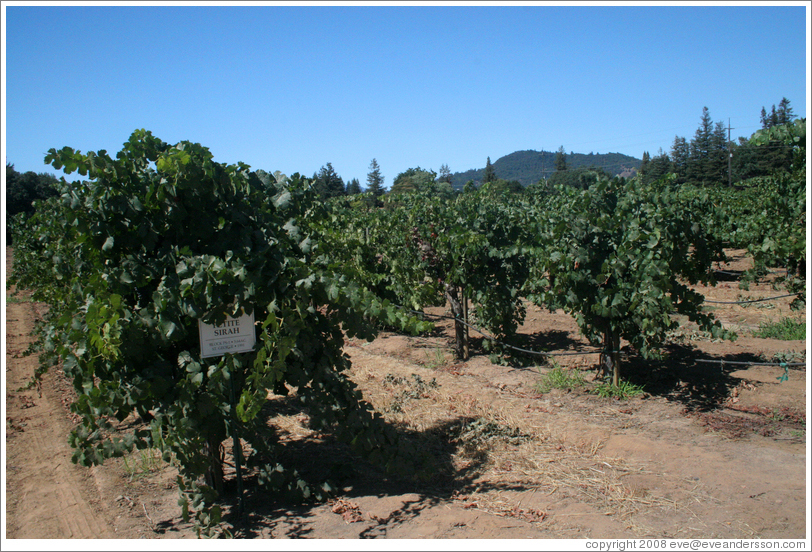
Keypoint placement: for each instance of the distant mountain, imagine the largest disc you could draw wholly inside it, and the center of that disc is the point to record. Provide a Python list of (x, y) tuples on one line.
[(530, 166)]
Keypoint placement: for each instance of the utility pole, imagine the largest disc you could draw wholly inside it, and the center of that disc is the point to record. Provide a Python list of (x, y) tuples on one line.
[(729, 157)]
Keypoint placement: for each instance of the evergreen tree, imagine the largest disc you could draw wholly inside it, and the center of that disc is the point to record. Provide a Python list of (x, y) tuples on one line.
[(699, 162), (658, 166), (747, 162), (717, 161), (353, 187), (561, 159), (374, 179), (327, 183), (644, 163), (765, 123), (785, 114), (490, 174), (680, 152), (774, 156)]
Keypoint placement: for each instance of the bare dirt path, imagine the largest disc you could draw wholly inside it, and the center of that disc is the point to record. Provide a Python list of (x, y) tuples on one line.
[(47, 497), (706, 452)]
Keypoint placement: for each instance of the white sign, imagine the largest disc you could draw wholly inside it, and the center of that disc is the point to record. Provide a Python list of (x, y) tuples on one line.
[(235, 335)]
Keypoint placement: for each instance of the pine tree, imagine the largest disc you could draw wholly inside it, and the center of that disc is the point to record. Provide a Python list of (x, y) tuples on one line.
[(644, 163), (699, 164), (773, 157), (773, 117), (680, 153), (746, 161), (353, 187), (374, 180), (490, 174), (785, 114), (327, 183), (717, 159), (561, 159), (658, 166)]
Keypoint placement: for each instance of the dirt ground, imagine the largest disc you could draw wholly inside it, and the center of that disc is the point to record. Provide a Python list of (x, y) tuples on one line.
[(708, 451)]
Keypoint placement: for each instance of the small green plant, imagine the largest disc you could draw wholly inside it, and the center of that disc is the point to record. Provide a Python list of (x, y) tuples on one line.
[(142, 463), (16, 298), (785, 329), (795, 434), (558, 378), (623, 391), (436, 359), (777, 416)]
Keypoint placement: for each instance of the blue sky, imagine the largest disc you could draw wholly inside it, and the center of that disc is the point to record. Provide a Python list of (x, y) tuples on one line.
[(292, 88)]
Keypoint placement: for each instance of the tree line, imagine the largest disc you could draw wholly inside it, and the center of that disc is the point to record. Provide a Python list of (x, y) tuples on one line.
[(710, 158), (23, 188)]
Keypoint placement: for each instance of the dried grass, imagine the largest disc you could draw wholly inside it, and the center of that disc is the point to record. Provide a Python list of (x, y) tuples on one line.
[(537, 461), (509, 452)]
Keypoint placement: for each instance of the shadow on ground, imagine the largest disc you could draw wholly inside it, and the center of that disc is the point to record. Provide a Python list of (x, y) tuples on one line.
[(322, 458), (532, 347), (680, 377), (684, 377)]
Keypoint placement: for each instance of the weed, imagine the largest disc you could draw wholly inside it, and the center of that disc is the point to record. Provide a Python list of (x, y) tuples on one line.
[(777, 415), (558, 378), (623, 391), (142, 463), (785, 329), (437, 361)]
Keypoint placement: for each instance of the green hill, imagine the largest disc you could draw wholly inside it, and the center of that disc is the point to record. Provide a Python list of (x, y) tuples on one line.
[(530, 166)]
